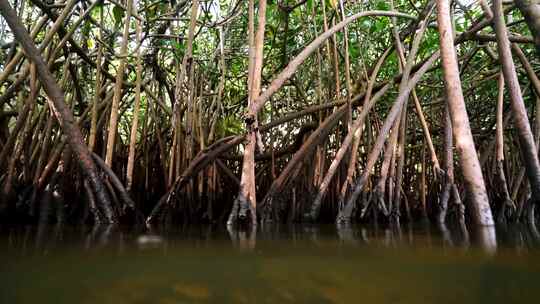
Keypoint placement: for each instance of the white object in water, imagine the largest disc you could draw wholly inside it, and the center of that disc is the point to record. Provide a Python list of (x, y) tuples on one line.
[(149, 239)]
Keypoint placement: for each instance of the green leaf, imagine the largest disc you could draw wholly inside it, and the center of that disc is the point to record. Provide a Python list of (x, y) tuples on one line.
[(380, 25), (354, 51), (310, 5), (179, 49), (382, 5), (118, 14), (151, 13), (97, 10)]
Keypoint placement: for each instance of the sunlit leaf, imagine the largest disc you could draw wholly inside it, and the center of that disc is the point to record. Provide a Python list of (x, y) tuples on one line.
[(334, 4)]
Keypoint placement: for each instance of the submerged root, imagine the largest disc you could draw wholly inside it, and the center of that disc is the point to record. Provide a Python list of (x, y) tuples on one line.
[(242, 212)]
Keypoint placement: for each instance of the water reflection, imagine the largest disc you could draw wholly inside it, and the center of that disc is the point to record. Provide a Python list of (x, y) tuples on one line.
[(489, 239), (244, 239)]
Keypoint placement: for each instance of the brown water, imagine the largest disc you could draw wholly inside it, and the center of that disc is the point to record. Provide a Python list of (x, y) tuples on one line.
[(276, 264)]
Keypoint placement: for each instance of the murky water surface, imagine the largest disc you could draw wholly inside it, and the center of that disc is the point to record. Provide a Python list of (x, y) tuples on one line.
[(275, 264)]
